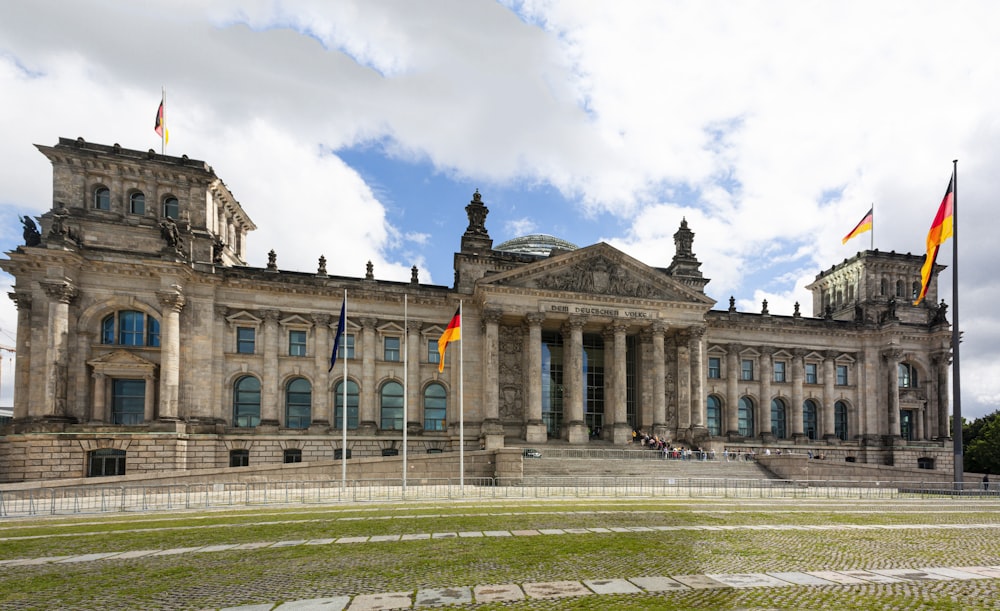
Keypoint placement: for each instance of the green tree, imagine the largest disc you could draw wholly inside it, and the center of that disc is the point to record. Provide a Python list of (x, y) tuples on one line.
[(981, 444)]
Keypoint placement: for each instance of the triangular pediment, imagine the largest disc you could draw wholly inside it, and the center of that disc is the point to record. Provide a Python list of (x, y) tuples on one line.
[(120, 358), (600, 269)]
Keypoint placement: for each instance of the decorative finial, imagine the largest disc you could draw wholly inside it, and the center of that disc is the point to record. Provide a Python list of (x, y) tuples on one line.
[(370, 273), (763, 308), (732, 303), (272, 261), (322, 266), (413, 275), (796, 313)]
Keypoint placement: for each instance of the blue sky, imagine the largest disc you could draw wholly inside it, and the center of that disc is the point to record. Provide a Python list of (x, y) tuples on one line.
[(359, 130)]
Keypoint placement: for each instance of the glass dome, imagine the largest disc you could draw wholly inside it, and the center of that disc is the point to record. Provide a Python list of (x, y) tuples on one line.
[(536, 244)]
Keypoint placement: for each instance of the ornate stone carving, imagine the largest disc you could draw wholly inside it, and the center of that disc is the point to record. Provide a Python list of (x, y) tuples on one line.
[(600, 275), (59, 290), (270, 315), (172, 300), (477, 212), (534, 319), (22, 300), (31, 235), (511, 376), (272, 261), (320, 319)]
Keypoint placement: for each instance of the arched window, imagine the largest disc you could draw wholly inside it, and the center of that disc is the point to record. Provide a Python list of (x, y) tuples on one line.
[(840, 420), (713, 415), (171, 208), (298, 404), (907, 376), (391, 401), (105, 462), (102, 198), (435, 407), (916, 289), (137, 203), (899, 289), (884, 287), (246, 402), (130, 328), (809, 410), (746, 417), (778, 419), (352, 405)]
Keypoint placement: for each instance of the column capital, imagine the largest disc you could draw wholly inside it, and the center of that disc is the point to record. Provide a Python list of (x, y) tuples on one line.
[(221, 310), (491, 314), (270, 315), (892, 354), (321, 319), (368, 322), (696, 332), (799, 353), (575, 321), (941, 358), (63, 291), (831, 355), (734, 348), (414, 326), (534, 319), (172, 300), (21, 299), (766, 350)]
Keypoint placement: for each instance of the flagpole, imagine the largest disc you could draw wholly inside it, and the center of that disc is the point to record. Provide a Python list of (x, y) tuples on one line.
[(461, 401), (956, 337), (406, 392), (873, 228), (163, 120), (343, 413)]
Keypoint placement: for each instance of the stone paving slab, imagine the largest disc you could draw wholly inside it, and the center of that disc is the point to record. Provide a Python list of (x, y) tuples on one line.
[(434, 597), (497, 533), (335, 603), (266, 607), (555, 589), (700, 582), (415, 537), (320, 541), (217, 548), (255, 545), (289, 543), (32, 561), (748, 580), (471, 534), (552, 531), (381, 602), (986, 571), (498, 593), (838, 578), (377, 538), (524, 533), (352, 540), (611, 586), (177, 550), (800, 579), (953, 573), (872, 577), (444, 535), (88, 557), (912, 574), (658, 584)]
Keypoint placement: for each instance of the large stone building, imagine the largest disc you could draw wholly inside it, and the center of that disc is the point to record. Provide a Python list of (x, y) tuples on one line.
[(145, 343)]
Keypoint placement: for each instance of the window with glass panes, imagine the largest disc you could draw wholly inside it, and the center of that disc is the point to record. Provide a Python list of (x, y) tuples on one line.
[(714, 367), (296, 343), (128, 401), (391, 404), (435, 408), (298, 404), (779, 371), (346, 350), (811, 376), (246, 339), (745, 417), (778, 418), (809, 409), (746, 369), (433, 356), (352, 405), (713, 415), (391, 349)]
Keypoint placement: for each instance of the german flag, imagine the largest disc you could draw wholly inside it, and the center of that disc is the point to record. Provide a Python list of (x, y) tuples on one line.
[(451, 334), (941, 229), (863, 226)]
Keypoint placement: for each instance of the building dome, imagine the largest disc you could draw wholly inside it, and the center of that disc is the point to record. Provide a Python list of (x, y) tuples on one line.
[(535, 244)]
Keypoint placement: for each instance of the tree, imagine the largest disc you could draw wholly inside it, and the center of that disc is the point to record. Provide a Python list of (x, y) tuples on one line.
[(981, 444)]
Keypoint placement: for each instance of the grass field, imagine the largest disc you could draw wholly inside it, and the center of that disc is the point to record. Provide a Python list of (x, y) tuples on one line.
[(431, 545)]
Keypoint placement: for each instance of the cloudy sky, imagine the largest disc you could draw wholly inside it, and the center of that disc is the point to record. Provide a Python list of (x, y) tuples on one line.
[(360, 129)]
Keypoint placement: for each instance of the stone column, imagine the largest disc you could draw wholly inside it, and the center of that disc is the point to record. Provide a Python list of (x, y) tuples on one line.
[(414, 419), (22, 364), (798, 396), (221, 392), (367, 418), (575, 429), (60, 294), (322, 414), (171, 303), (826, 431), (148, 405), (269, 374), (658, 371), (491, 363), (534, 428), (621, 431), (697, 347), (763, 423), (100, 412), (892, 357), (941, 362), (683, 383), (733, 391)]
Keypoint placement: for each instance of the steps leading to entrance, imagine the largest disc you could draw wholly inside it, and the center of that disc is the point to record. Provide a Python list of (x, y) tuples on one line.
[(552, 464)]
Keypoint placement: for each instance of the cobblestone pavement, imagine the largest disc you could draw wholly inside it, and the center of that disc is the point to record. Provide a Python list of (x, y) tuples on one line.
[(908, 566)]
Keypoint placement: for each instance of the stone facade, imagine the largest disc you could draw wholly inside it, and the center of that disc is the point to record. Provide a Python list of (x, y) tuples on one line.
[(145, 344)]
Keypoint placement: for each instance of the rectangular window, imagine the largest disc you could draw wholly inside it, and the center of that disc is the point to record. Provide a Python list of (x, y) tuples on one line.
[(128, 401), (746, 369), (296, 343), (714, 367), (433, 356), (811, 374), (779, 371), (841, 375), (245, 339), (391, 349), (346, 350)]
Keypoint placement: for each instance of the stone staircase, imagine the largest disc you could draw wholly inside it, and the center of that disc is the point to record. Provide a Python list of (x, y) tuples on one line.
[(643, 464)]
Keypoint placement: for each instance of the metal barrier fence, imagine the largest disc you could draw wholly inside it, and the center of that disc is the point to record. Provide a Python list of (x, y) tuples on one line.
[(110, 499)]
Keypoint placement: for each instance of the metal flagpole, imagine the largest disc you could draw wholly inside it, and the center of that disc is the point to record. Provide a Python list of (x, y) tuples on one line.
[(461, 399), (956, 336), (163, 118), (406, 392), (873, 227), (343, 411)]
